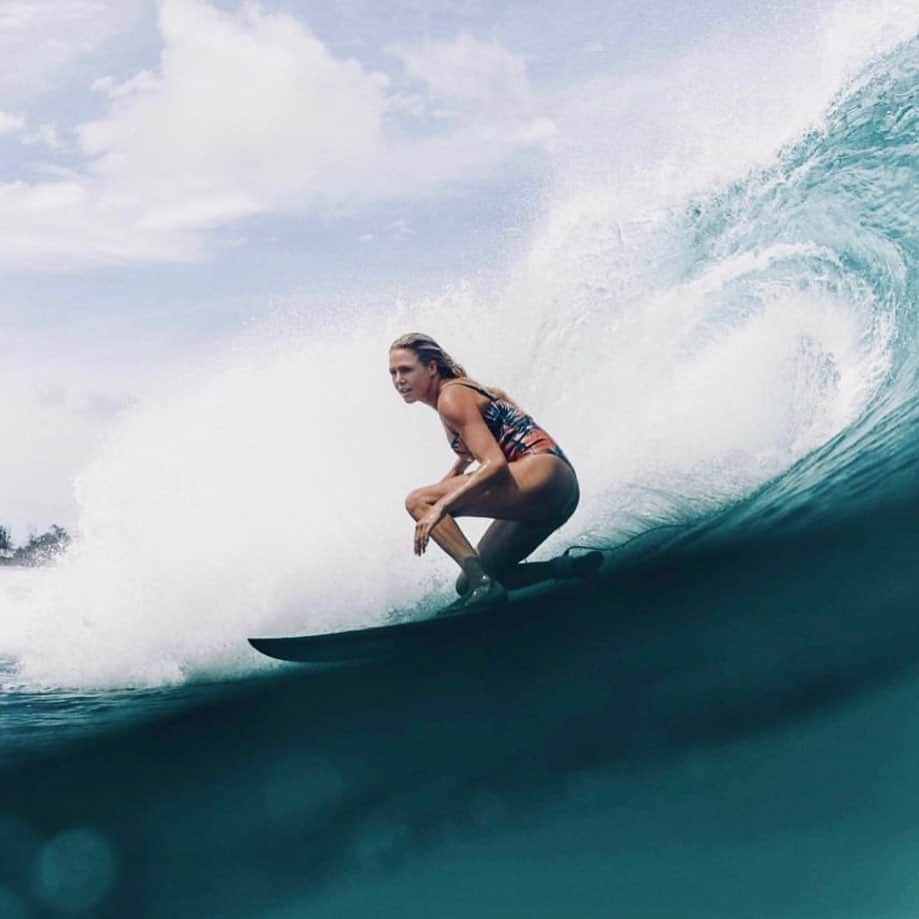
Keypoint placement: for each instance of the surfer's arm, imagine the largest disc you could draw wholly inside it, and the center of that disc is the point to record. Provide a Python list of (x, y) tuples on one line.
[(459, 410), (458, 468)]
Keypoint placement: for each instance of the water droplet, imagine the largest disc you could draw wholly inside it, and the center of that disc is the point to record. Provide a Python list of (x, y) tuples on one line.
[(75, 870)]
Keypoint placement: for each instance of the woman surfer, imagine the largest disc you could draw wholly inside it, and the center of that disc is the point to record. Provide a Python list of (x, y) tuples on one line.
[(523, 479)]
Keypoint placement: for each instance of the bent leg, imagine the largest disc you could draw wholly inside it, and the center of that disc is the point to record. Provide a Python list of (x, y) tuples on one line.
[(507, 542), (534, 499), (504, 545), (481, 586), (538, 489), (446, 534)]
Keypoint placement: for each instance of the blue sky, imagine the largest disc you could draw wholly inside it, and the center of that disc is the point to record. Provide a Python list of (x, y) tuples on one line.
[(173, 172)]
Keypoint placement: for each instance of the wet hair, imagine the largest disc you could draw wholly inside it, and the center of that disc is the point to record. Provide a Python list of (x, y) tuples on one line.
[(426, 350)]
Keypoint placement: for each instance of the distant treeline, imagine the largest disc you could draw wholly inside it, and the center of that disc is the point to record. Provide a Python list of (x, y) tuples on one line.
[(39, 550)]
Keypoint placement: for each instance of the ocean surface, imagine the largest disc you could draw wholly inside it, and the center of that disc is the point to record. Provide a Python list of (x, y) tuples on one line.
[(722, 725)]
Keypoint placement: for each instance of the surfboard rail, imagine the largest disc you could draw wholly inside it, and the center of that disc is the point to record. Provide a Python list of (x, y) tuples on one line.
[(382, 640)]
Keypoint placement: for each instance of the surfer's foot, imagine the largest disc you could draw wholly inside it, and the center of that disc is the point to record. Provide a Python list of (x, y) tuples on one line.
[(580, 566), (486, 592)]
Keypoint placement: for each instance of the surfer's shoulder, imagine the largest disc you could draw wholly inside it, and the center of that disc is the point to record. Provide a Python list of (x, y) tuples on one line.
[(457, 400)]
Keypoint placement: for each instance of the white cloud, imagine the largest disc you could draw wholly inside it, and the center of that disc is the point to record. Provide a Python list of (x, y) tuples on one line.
[(406, 103), (483, 91), (539, 131), (250, 113), (39, 39), (44, 134), (10, 123), (23, 15), (59, 224), (145, 81), (401, 229), (468, 71)]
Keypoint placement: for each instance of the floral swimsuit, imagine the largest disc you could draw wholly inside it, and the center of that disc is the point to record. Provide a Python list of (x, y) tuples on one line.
[(516, 432)]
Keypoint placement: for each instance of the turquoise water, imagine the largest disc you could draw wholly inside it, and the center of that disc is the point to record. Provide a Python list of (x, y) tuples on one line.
[(722, 726)]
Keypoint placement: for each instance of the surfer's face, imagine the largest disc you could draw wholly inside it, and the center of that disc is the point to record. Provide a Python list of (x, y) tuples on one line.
[(411, 378)]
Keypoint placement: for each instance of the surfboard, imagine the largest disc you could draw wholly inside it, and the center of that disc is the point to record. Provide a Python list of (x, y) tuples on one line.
[(384, 640)]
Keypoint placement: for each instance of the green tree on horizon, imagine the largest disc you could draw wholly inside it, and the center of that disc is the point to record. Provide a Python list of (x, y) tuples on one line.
[(39, 550)]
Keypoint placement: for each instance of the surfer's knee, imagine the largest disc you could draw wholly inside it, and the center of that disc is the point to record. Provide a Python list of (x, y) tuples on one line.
[(417, 502)]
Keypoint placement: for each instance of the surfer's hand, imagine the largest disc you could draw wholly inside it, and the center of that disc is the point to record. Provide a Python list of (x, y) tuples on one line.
[(424, 526)]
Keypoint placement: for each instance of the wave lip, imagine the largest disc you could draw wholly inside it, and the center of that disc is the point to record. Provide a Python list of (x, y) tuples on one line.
[(843, 207)]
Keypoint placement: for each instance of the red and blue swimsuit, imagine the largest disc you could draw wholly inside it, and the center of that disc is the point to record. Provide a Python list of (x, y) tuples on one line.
[(517, 433)]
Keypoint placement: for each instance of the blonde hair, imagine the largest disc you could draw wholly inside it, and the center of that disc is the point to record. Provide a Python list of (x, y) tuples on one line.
[(427, 350)]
